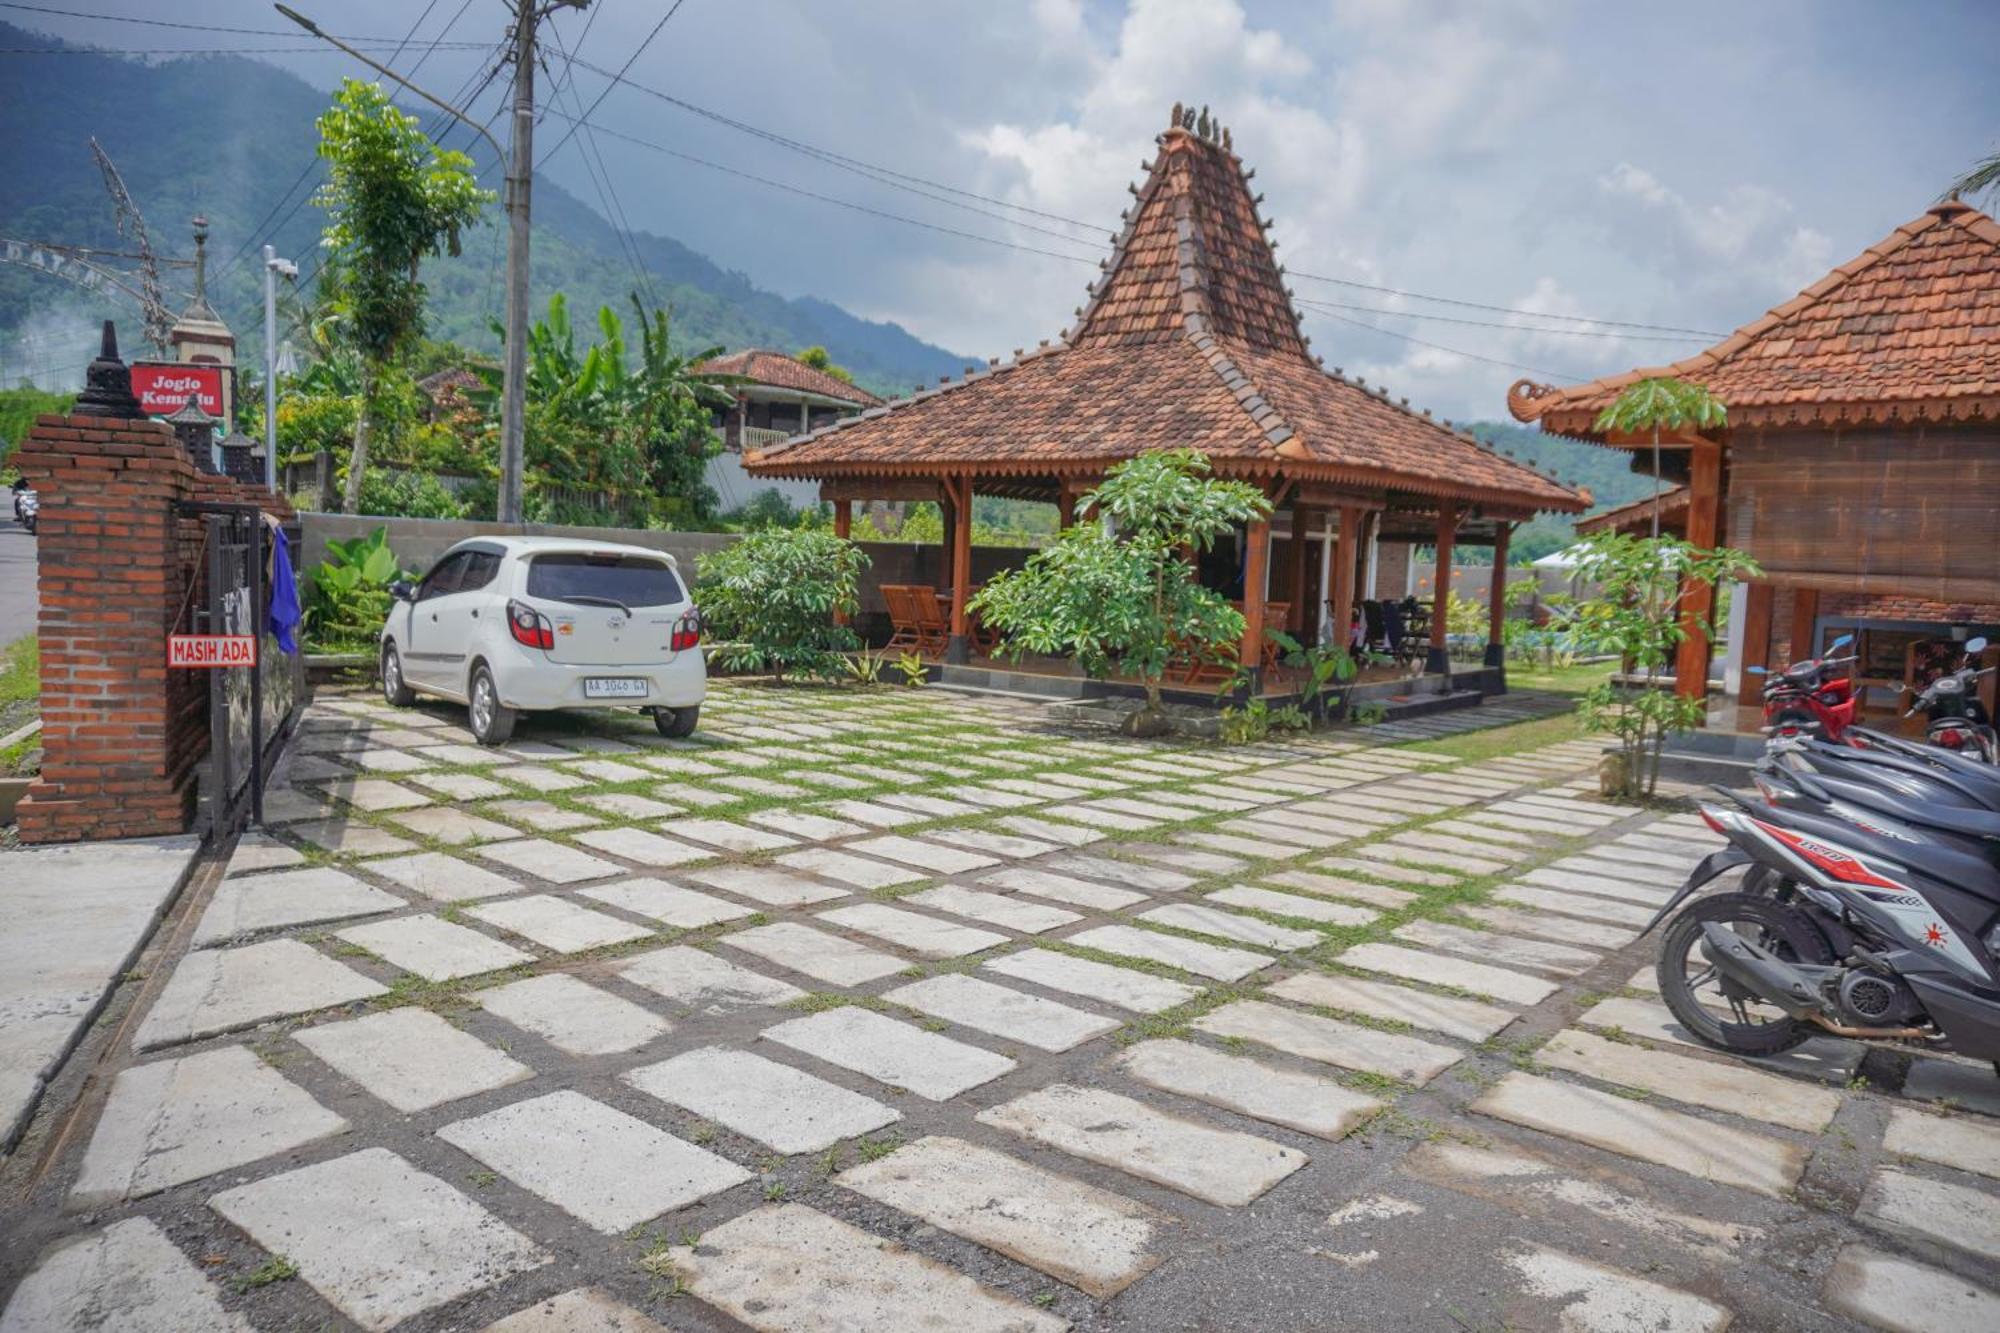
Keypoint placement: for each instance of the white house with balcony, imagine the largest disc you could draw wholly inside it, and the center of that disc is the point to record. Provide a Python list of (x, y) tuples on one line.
[(779, 397)]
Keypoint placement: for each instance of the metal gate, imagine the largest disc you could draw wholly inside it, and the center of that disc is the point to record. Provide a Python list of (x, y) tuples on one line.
[(251, 709)]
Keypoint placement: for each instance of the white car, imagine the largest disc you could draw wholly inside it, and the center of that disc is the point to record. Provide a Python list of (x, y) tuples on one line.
[(510, 625)]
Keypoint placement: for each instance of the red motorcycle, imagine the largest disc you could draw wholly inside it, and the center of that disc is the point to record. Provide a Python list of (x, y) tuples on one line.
[(1806, 698)]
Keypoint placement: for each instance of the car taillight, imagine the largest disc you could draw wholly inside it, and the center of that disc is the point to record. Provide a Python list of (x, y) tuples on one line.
[(687, 632), (529, 626)]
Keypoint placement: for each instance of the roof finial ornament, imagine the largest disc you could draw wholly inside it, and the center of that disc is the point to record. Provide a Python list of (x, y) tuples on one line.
[(1228, 145), (1187, 119), (1174, 122), (1204, 126)]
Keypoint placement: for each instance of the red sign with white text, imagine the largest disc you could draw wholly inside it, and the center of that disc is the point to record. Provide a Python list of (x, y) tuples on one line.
[(211, 650), (162, 387)]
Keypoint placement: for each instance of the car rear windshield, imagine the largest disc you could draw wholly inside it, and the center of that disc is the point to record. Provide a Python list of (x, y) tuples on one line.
[(631, 580)]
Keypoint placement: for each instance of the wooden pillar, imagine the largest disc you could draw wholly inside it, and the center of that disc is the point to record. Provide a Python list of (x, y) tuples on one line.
[(1256, 566), (1439, 660), (1704, 519), (843, 525), (1758, 604), (1805, 619), (948, 538), (1295, 619), (1496, 613), (1346, 554), (1065, 508), (960, 647)]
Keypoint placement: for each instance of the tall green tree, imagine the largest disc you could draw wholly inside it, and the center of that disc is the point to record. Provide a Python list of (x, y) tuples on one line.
[(1663, 403), (393, 198), (820, 359)]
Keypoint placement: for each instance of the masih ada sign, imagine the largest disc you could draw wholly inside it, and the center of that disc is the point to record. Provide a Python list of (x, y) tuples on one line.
[(211, 650)]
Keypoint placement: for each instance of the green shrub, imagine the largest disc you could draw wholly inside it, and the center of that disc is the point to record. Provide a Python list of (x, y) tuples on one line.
[(347, 594), (771, 598), (407, 495)]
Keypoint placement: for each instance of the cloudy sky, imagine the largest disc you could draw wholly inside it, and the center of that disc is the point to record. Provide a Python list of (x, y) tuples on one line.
[(1688, 165)]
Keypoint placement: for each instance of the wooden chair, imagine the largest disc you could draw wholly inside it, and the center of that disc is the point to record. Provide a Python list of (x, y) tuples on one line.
[(1276, 616), (905, 636), (931, 617)]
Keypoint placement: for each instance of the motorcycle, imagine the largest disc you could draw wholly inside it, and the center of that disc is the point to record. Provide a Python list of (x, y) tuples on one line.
[(27, 508), (1880, 929), (1804, 697), (1958, 721)]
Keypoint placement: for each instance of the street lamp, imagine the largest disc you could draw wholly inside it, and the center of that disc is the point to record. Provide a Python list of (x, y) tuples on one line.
[(274, 267)]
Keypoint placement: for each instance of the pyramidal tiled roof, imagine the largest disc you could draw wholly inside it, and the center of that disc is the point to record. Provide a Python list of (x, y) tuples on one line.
[(761, 366), (1189, 338), (1908, 330)]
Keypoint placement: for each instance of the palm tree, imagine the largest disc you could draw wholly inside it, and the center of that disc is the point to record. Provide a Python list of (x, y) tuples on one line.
[(1657, 404), (1982, 178)]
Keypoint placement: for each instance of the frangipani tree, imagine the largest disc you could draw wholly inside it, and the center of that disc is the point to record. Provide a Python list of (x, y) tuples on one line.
[(1125, 597), (1662, 404)]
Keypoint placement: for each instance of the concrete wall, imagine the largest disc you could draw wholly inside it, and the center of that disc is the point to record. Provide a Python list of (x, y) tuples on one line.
[(735, 488)]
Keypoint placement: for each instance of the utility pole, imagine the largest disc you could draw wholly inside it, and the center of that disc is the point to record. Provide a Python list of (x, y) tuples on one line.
[(274, 268), (519, 198)]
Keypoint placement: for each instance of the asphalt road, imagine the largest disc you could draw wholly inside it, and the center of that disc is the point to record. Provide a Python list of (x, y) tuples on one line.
[(18, 602)]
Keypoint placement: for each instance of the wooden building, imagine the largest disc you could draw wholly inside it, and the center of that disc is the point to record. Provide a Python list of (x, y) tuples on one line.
[(1860, 464), (1188, 339), (779, 396)]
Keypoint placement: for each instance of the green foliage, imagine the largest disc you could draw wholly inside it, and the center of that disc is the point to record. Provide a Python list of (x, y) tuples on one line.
[(1129, 602), (347, 595), (914, 671), (1661, 404), (1464, 615), (1256, 720), (1321, 667), (18, 410), (865, 667), (769, 508), (408, 495), (1642, 585), (773, 597), (819, 359)]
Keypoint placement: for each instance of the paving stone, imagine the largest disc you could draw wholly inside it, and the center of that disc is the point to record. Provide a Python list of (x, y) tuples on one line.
[(465, 756), (703, 982), (1050, 830), (1567, 930), (1597, 886), (178, 1120), (783, 1108), (1208, 960), (789, 1269), (1285, 835), (434, 949), (1718, 1085), (1333, 886), (376, 794), (344, 837), (1122, 987), (610, 770), (684, 909), (1969, 1085), (1585, 905), (996, 909), (454, 828), (390, 761), (1398, 874), (923, 935), (774, 888), (1217, 1166), (609, 1170), (1403, 853), (1205, 920), (584, 1310), (1254, 849), (895, 1053), (548, 860), (873, 814), (992, 844), (729, 836), (1594, 1297), (1965, 1142), (258, 851), (126, 1276), (1305, 1102), (379, 1239), (1499, 983), (1063, 888), (1540, 955), (572, 1015), (1290, 904), (558, 924), (220, 990), (936, 807), (461, 786), (750, 784), (1190, 859), (1906, 1296), (1330, 1041), (799, 824), (1468, 1020), (817, 953), (444, 878), (931, 857), (1939, 1213), (543, 817), (1111, 821), (1701, 1148), (1127, 874), (1094, 1240), (627, 805), (1003, 1012), (411, 1058), (1828, 1059), (287, 898)]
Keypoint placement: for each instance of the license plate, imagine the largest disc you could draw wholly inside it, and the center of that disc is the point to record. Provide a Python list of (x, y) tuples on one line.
[(615, 687)]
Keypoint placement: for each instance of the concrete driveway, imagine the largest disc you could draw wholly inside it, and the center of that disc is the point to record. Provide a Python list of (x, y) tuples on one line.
[(18, 601)]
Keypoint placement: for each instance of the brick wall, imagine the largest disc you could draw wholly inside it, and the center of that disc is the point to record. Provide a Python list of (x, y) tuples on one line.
[(118, 570)]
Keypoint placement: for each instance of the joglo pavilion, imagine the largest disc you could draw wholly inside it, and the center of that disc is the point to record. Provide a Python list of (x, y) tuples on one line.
[(1189, 339)]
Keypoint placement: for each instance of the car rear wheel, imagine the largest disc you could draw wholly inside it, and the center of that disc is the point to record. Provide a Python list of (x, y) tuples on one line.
[(395, 690), (492, 721), (676, 723)]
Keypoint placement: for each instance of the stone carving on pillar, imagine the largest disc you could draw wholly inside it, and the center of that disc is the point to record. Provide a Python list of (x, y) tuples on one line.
[(107, 384)]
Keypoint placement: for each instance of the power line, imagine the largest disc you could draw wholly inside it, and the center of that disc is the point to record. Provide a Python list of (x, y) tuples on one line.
[(1494, 324), (600, 175), (617, 78), (178, 26), (380, 45), (1458, 351), (1500, 309)]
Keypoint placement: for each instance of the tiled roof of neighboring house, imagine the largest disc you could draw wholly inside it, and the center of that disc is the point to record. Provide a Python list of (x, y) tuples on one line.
[(1188, 339), (1638, 515), (452, 377), (1907, 331), (780, 371)]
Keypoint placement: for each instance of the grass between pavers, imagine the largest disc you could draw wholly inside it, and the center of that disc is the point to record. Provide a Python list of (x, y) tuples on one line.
[(1498, 742)]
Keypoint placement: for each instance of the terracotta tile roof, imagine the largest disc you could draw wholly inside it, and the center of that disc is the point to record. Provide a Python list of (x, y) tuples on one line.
[(1637, 516), (1189, 339), (760, 366), (1909, 330)]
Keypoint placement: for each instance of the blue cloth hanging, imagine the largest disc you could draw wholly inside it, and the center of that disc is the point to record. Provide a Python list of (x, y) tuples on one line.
[(282, 613)]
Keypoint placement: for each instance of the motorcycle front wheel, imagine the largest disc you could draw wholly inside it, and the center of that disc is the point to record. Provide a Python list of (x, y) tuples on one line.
[(1717, 1011)]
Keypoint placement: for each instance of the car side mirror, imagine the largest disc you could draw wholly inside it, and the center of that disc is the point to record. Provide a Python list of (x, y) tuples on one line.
[(403, 590)]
